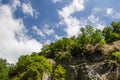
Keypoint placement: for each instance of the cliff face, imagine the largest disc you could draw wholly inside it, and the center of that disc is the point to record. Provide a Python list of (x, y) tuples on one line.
[(95, 65), (105, 70)]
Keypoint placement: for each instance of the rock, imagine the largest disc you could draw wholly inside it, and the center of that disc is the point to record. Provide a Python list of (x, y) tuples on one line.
[(95, 71), (46, 76), (52, 62), (96, 64)]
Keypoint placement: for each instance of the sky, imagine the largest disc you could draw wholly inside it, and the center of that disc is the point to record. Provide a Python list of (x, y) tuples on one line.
[(27, 25)]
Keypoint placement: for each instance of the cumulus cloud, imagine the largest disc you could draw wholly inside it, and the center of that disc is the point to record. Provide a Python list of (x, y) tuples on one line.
[(112, 13), (96, 21), (38, 31), (93, 19), (48, 31), (44, 31), (13, 39), (16, 3), (47, 42), (96, 10), (28, 10), (72, 23), (56, 1), (109, 11), (58, 37)]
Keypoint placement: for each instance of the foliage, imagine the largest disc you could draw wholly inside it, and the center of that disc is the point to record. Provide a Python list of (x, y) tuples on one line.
[(46, 50), (30, 67), (107, 31), (89, 35), (112, 33), (102, 42), (116, 27), (62, 56), (75, 46), (117, 56), (4, 68), (59, 73)]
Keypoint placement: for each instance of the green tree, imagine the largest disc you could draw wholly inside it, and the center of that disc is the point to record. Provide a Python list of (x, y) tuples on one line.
[(75, 48), (107, 31), (89, 35), (116, 27), (4, 69), (30, 67), (96, 37), (46, 51), (112, 33), (62, 45)]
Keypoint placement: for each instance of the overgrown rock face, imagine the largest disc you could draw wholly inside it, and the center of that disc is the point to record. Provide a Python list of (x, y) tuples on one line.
[(94, 71), (94, 65), (103, 49)]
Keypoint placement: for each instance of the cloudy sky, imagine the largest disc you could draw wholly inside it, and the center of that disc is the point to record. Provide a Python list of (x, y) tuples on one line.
[(26, 25)]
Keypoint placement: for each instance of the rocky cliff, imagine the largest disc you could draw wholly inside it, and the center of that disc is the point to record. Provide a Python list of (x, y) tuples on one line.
[(104, 70), (95, 65)]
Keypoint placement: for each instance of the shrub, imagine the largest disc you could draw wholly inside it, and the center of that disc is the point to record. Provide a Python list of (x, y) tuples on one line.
[(59, 73), (62, 55), (117, 56), (102, 42)]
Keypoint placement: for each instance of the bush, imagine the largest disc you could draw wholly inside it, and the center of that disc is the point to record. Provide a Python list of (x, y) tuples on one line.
[(59, 73), (102, 42), (30, 67), (117, 56), (62, 55)]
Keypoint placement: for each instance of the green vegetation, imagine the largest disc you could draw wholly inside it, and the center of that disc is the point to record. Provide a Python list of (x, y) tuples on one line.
[(117, 56), (75, 46), (33, 67), (59, 73), (30, 67), (4, 68), (112, 33)]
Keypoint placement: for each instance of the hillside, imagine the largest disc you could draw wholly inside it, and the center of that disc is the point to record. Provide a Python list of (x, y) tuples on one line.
[(92, 55)]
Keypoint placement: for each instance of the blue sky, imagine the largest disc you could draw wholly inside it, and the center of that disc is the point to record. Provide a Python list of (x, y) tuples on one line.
[(27, 25)]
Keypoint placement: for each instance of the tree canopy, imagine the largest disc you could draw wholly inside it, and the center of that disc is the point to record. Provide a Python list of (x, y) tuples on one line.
[(30, 67)]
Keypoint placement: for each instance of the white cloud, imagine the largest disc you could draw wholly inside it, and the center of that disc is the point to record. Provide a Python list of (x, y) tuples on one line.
[(93, 19), (109, 11), (47, 42), (58, 37), (48, 31), (45, 31), (28, 10), (38, 31), (96, 10), (112, 13), (72, 23), (56, 1), (96, 21), (100, 26), (13, 39), (16, 3)]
